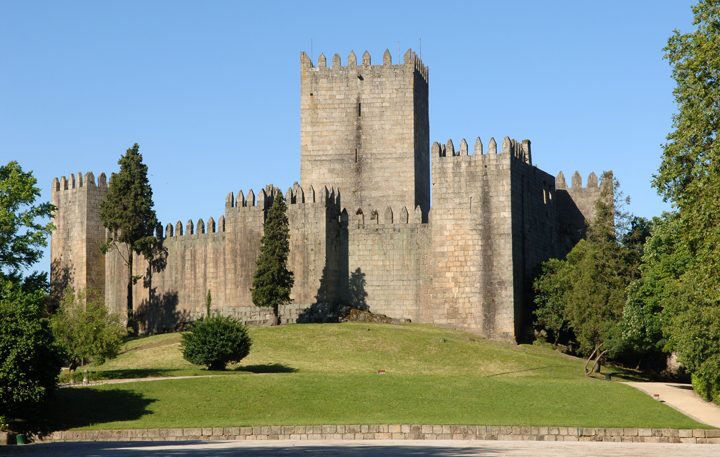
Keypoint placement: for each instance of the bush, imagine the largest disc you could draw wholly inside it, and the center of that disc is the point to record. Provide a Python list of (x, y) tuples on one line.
[(86, 330), (216, 341)]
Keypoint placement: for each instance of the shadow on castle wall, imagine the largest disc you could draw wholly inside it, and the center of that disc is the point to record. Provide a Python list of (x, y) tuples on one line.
[(328, 308), (160, 314)]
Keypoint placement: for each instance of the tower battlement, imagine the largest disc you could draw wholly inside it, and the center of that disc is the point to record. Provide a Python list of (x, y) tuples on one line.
[(410, 60)]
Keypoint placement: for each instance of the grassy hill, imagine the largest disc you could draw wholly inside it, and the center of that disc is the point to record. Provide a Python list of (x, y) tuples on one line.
[(328, 374)]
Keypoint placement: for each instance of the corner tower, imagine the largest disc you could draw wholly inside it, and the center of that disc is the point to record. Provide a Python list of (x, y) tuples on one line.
[(75, 248), (364, 129)]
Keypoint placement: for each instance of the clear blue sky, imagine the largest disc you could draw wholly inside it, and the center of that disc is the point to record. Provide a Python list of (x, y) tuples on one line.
[(210, 90)]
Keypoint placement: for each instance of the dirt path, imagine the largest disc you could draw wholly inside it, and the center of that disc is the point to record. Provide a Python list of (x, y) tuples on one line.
[(682, 398), (126, 380)]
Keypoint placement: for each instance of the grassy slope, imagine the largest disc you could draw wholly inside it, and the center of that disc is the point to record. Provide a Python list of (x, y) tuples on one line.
[(313, 374)]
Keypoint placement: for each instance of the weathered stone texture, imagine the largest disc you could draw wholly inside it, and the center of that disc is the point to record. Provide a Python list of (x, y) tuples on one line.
[(369, 238), (364, 130)]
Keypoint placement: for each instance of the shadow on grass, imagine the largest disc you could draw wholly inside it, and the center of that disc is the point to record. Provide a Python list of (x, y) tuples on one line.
[(267, 368), (80, 407), (133, 373)]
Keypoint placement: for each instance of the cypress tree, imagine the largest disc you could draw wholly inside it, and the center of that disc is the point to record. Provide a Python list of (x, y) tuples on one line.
[(273, 282), (127, 212)]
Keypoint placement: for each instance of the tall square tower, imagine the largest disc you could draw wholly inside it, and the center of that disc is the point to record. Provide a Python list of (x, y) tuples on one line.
[(364, 130)]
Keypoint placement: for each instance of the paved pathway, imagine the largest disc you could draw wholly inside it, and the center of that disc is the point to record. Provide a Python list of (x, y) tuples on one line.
[(126, 380), (364, 448), (682, 398)]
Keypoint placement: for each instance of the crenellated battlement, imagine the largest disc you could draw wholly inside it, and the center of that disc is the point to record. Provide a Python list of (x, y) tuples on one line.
[(410, 59), (67, 183), (510, 148), (191, 228), (369, 218), (577, 182)]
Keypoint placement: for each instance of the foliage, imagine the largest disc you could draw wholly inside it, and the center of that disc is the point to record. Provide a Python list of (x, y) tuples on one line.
[(550, 289), (689, 177), (273, 282), (652, 297), (585, 292), (216, 341), (29, 359), (86, 330), (127, 212), (22, 236)]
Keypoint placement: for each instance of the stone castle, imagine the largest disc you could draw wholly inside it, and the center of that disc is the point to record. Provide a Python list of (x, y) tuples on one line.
[(363, 230)]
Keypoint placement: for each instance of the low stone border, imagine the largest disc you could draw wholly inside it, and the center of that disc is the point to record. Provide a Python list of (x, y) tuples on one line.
[(396, 432)]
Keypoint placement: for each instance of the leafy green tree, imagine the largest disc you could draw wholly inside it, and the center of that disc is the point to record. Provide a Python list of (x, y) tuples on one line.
[(585, 292), (29, 358), (550, 290), (216, 341), (22, 232), (651, 298), (689, 177), (273, 282), (86, 331), (127, 212)]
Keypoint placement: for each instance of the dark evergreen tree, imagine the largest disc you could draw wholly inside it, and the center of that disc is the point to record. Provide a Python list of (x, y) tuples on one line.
[(127, 212), (273, 282)]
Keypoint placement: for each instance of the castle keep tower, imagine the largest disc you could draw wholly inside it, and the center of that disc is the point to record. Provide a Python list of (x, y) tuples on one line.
[(364, 129)]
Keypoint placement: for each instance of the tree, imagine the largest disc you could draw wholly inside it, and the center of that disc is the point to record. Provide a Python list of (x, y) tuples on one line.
[(22, 234), (216, 341), (127, 212), (585, 292), (29, 359), (273, 282), (689, 177), (86, 331)]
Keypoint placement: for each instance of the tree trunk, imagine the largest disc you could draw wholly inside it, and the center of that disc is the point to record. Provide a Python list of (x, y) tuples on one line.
[(276, 314), (130, 318)]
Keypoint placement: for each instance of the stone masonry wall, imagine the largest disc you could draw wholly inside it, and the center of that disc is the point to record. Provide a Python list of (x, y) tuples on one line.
[(364, 130), (221, 257), (387, 262), (535, 232), (575, 208)]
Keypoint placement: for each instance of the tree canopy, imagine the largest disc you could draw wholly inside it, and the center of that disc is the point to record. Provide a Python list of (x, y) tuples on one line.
[(689, 177), (273, 282), (23, 222)]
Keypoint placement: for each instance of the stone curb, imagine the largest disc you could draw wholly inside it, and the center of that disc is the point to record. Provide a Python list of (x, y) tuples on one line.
[(395, 432)]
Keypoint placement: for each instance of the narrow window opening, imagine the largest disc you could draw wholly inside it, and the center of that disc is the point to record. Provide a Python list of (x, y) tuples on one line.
[(356, 155), (359, 110)]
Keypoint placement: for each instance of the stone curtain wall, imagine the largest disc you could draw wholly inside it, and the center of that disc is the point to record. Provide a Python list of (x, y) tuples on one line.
[(387, 262), (364, 130), (77, 260)]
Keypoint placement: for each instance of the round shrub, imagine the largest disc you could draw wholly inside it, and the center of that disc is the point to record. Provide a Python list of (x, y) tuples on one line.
[(216, 341)]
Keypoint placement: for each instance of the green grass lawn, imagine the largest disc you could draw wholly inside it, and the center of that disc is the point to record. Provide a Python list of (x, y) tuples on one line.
[(327, 374)]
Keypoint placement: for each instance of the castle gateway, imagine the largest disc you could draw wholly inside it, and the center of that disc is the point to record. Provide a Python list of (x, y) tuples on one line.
[(362, 226)]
